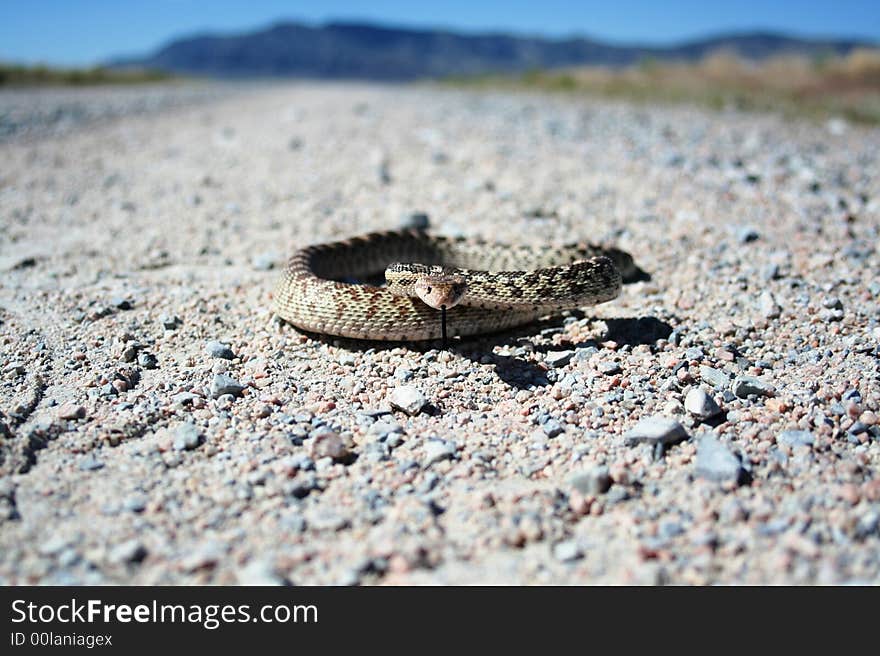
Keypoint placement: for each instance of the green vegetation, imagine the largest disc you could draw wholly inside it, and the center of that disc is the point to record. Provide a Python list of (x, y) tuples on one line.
[(39, 75), (825, 86)]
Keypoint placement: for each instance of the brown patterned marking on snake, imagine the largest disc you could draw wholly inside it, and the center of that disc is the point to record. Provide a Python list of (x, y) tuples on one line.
[(310, 295)]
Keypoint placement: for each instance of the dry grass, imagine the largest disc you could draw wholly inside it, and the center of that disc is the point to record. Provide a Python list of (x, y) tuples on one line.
[(848, 87), (14, 75)]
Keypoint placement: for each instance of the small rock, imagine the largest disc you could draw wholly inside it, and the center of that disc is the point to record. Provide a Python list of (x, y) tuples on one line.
[(219, 350), (170, 321), (768, 306), (135, 503), (591, 482), (147, 360), (90, 463), (700, 404), (130, 551), (122, 303), (567, 551), (795, 438), (186, 437), (746, 385), (552, 428), (415, 221), (437, 450), (223, 384), (714, 377), (655, 430), (408, 399), (715, 462), (558, 358), (747, 234), (71, 411), (329, 445), (609, 368)]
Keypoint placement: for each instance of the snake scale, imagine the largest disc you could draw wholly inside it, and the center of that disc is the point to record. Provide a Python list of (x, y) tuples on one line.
[(489, 287)]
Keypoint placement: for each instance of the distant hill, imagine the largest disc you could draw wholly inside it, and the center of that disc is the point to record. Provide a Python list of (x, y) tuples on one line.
[(367, 51)]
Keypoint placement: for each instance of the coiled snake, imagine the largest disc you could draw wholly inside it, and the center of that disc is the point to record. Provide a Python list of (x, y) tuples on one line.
[(480, 287)]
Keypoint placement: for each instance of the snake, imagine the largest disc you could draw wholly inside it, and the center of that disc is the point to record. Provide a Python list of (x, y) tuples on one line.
[(478, 286)]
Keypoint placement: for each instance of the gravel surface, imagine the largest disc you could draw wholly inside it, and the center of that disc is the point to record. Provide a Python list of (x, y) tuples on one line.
[(718, 423)]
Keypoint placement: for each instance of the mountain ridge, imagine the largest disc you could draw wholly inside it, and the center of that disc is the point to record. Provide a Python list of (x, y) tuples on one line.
[(351, 49)]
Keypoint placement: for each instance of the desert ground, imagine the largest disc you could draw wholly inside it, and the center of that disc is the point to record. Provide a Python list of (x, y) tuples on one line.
[(718, 423)]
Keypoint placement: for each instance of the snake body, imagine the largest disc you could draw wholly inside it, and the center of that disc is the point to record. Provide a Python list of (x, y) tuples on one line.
[(507, 286)]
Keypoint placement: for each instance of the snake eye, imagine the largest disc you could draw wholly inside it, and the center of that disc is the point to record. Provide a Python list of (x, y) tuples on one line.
[(428, 290)]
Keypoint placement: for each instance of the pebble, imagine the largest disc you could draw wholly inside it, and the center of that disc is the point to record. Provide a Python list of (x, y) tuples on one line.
[(744, 386), (655, 430), (223, 384), (700, 404), (795, 438), (186, 437), (329, 445), (409, 399), (558, 358), (438, 450), (591, 482), (609, 368), (552, 428), (128, 552), (90, 463), (714, 377), (768, 306), (219, 350), (170, 321), (715, 462), (567, 551), (147, 360), (71, 411), (415, 221)]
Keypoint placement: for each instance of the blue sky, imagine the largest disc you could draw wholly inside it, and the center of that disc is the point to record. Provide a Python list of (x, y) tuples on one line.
[(78, 32)]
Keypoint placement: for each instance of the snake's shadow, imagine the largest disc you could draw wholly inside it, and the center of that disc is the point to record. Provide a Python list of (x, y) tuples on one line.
[(514, 370)]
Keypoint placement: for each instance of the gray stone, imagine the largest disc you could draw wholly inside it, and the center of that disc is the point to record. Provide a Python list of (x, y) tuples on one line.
[(186, 437), (90, 463), (219, 350), (437, 450), (415, 221), (715, 462), (714, 377), (747, 234), (768, 306), (591, 482), (609, 368), (170, 321), (567, 551), (130, 551), (655, 430), (700, 404), (147, 360), (135, 503), (743, 386), (223, 384), (558, 358), (552, 428), (795, 438), (408, 398)]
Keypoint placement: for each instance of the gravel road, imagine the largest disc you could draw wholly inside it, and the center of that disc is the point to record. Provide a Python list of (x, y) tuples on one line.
[(718, 423)]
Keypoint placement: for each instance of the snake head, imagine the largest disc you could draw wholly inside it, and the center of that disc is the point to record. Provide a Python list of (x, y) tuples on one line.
[(440, 291)]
